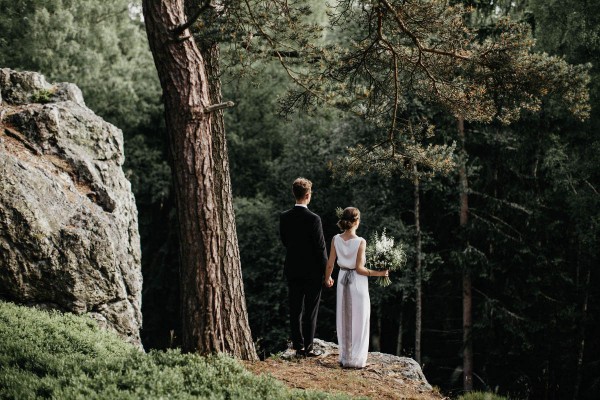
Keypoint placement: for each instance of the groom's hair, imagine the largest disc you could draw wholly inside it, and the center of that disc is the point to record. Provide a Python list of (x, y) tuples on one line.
[(300, 187)]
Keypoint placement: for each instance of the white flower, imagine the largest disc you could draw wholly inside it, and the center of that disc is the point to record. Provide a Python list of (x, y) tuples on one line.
[(382, 254)]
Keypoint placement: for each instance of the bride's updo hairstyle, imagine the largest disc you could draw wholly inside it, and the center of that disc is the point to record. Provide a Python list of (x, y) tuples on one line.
[(348, 218)]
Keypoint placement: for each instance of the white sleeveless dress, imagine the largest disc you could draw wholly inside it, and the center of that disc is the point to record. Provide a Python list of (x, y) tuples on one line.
[(353, 307)]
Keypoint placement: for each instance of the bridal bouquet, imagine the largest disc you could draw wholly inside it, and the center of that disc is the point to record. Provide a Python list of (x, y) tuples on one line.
[(382, 255)]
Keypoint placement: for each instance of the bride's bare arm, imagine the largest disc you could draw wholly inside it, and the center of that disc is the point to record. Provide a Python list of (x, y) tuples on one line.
[(360, 262), (330, 264)]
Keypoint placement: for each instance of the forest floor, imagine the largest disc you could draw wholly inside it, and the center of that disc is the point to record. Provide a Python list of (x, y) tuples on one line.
[(324, 374)]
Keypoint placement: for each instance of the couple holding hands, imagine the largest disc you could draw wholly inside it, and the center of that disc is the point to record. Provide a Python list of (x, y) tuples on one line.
[(305, 263)]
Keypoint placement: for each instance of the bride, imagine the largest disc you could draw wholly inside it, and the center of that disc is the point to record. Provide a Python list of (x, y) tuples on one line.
[(353, 307)]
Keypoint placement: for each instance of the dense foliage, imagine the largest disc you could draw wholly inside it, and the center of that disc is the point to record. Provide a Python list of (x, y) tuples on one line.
[(97, 46)]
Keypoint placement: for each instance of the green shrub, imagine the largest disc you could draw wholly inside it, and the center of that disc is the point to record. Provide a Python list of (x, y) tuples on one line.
[(481, 396), (63, 356)]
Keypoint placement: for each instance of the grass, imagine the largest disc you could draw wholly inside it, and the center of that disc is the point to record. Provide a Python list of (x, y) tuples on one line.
[(63, 356), (481, 396)]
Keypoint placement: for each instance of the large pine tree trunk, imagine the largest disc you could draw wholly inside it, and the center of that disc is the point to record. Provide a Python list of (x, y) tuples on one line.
[(214, 317), (466, 278)]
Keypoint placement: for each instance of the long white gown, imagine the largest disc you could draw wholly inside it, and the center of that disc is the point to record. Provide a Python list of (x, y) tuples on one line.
[(353, 307)]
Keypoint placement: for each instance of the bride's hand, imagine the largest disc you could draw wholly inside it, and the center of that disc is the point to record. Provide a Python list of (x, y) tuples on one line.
[(386, 273)]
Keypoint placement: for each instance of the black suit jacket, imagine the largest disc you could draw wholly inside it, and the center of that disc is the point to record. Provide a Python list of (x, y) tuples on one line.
[(302, 235)]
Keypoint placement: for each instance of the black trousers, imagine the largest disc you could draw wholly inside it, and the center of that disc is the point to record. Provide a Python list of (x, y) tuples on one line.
[(304, 297)]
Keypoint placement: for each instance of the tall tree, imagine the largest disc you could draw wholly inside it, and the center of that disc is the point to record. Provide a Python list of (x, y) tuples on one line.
[(467, 296), (418, 265), (214, 317)]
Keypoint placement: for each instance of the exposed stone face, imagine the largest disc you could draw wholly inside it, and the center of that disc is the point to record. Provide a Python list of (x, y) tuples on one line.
[(68, 222)]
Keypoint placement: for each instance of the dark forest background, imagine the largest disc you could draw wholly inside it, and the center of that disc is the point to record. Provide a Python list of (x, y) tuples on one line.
[(532, 238)]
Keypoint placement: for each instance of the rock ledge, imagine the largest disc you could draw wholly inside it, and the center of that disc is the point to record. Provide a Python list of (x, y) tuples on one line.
[(395, 367)]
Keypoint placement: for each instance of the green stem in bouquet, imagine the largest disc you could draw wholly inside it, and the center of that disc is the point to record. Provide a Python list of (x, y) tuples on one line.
[(383, 281)]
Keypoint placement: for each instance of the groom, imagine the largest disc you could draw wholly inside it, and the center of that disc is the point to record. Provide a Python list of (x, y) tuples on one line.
[(302, 235)]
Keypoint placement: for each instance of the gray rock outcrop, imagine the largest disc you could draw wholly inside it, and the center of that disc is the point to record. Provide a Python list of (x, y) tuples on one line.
[(68, 221)]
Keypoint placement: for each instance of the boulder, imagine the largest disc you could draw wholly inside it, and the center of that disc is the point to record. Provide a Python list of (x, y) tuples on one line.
[(68, 221)]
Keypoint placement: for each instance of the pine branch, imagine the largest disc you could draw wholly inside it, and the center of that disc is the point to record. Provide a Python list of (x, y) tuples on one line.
[(219, 106), (415, 39), (500, 307), (178, 30), (502, 201)]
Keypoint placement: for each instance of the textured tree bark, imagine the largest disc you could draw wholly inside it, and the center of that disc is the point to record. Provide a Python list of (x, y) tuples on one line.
[(233, 297), (466, 278), (214, 317)]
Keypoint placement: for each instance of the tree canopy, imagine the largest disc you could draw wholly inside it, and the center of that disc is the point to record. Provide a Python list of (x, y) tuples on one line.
[(101, 47)]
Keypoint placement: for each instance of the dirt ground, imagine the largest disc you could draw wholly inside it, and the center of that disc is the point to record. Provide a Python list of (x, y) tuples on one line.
[(323, 373)]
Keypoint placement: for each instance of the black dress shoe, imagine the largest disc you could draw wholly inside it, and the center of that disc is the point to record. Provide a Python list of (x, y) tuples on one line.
[(314, 353)]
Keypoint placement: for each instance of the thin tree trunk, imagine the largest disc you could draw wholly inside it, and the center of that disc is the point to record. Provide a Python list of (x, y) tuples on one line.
[(467, 329), (466, 278), (418, 267), (584, 310), (400, 328), (214, 317), (376, 334)]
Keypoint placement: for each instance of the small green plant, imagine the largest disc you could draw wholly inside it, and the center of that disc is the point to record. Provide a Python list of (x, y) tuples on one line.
[(276, 356), (481, 396), (42, 96)]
